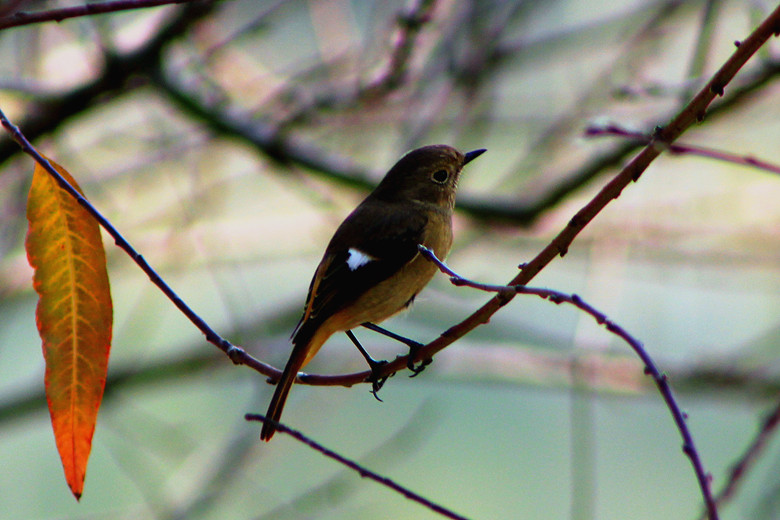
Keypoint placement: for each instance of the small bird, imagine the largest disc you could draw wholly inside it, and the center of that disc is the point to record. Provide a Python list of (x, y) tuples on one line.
[(372, 268)]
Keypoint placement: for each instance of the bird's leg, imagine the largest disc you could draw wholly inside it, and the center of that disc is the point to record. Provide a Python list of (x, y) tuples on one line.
[(414, 346), (375, 379)]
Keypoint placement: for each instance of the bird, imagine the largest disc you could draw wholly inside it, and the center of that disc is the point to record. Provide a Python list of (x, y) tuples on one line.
[(372, 267)]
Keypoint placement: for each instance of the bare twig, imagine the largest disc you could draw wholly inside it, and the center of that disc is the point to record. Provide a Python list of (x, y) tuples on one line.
[(680, 149), (20, 18), (750, 456), (364, 472)]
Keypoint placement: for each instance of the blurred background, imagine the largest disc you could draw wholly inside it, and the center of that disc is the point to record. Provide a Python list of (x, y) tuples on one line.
[(227, 140)]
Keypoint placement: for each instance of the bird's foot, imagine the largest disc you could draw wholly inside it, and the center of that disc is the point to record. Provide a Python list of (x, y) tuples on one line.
[(414, 347)]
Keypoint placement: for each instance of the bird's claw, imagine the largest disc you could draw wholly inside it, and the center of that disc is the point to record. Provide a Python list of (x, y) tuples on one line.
[(414, 347), (416, 370), (376, 379)]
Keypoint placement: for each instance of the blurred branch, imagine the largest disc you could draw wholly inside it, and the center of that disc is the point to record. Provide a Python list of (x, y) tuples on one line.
[(703, 44), (682, 149), (9, 6), (46, 116), (20, 18), (364, 472), (409, 25), (182, 367), (608, 373), (227, 467), (748, 459), (265, 138), (288, 149)]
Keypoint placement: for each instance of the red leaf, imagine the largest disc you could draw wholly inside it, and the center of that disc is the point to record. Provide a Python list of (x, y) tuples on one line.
[(74, 315)]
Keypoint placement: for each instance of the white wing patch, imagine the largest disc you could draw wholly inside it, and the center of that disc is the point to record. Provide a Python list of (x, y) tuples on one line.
[(358, 258)]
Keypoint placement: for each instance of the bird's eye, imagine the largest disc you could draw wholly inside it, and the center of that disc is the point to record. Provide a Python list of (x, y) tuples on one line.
[(440, 176)]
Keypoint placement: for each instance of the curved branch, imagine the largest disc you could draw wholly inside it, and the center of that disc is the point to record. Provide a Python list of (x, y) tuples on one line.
[(660, 379)]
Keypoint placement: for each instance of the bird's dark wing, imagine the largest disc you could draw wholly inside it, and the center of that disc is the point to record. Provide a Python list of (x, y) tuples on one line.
[(371, 245)]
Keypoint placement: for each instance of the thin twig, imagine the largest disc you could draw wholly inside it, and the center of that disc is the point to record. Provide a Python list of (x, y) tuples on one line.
[(20, 18), (238, 355), (364, 472), (557, 297), (750, 456), (681, 149)]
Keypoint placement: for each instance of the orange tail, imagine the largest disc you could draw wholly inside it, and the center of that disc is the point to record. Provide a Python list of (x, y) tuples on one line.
[(305, 346), (283, 387)]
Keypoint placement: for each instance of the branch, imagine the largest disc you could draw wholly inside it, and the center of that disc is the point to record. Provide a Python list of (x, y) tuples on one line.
[(364, 472), (281, 146), (409, 26), (682, 149), (750, 456), (662, 382), (20, 18)]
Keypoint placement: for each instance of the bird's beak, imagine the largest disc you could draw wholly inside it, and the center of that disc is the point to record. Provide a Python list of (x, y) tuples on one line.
[(470, 156)]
